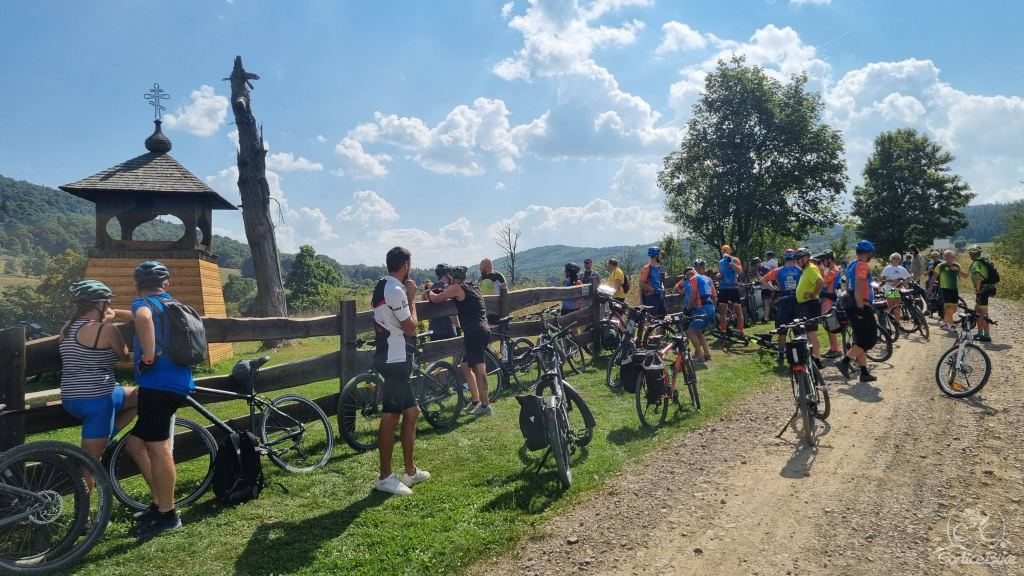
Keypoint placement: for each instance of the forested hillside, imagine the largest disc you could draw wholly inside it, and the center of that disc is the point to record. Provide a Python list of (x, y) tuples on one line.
[(986, 221)]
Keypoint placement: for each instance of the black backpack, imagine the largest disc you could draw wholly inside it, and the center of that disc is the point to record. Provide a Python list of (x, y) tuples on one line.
[(531, 422), (237, 469), (993, 272), (625, 283), (186, 335)]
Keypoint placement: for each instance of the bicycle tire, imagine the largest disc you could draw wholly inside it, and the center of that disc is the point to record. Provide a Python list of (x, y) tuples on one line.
[(882, 350), (596, 347), (359, 411), (558, 439), (53, 470), (525, 367), (612, 370), (823, 408), (573, 354), (892, 325), (574, 404), (306, 424), (652, 414), (194, 475), (922, 323), (906, 321), (807, 419), (690, 377), (946, 371), (496, 377), (438, 395)]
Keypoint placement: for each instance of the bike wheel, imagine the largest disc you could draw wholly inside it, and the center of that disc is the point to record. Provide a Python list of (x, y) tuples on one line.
[(43, 483), (360, 410), (802, 387), (581, 419), (823, 407), (297, 433), (882, 350), (611, 371), (525, 367), (922, 322), (652, 414), (438, 395), (558, 438), (193, 464), (966, 377), (690, 377), (574, 354), (892, 325), (496, 377)]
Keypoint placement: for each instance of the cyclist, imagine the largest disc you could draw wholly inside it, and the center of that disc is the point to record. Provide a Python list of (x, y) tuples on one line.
[(831, 274), (700, 267), (572, 278), (442, 327), (808, 297), (163, 387), (895, 277), (787, 278), (767, 294), (491, 282), (616, 278), (917, 265), (394, 323), (476, 335), (589, 275), (983, 290), (948, 274), (729, 269), (697, 291), (88, 354), (859, 310), (652, 282), (770, 263)]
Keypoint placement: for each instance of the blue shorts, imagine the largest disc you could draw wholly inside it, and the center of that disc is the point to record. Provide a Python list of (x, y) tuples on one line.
[(97, 414), (703, 317)]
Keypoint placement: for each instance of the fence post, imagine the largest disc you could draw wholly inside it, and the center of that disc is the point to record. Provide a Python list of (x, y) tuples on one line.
[(348, 338), (503, 302), (595, 313), (12, 385)]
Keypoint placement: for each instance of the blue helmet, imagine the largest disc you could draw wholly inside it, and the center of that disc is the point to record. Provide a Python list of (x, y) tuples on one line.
[(864, 246), (653, 251)]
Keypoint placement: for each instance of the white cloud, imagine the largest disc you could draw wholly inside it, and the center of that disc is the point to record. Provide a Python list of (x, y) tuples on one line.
[(321, 138), (637, 181), (499, 186), (368, 206), (287, 162), (506, 10), (679, 37), (812, 2), (597, 223), (325, 232), (357, 162), (202, 116)]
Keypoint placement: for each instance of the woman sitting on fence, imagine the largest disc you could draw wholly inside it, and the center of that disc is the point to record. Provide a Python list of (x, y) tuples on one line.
[(476, 335), (89, 349)]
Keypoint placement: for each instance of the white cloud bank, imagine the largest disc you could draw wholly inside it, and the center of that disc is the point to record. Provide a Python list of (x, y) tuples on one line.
[(202, 116)]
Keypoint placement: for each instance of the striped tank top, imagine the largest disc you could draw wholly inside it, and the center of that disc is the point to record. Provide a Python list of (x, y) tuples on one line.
[(87, 372)]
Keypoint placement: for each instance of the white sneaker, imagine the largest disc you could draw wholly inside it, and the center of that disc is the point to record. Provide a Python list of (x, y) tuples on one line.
[(483, 410), (419, 476), (472, 407), (392, 485)]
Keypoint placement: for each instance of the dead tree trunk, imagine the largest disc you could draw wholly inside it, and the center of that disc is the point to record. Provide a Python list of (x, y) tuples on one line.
[(255, 192), (508, 240)]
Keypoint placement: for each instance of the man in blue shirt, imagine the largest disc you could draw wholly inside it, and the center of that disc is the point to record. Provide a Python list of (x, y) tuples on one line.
[(786, 277), (651, 282), (729, 269)]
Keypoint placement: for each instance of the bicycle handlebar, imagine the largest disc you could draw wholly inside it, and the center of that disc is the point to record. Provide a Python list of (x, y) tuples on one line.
[(799, 323), (975, 315)]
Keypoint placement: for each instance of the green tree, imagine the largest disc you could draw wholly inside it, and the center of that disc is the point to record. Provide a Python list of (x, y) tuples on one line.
[(960, 243), (756, 162), (841, 244), (240, 295), (36, 265), (1010, 244), (13, 266), (313, 285), (48, 303), (909, 195), (672, 262)]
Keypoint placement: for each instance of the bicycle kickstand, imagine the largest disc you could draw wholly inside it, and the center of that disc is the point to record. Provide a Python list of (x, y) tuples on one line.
[(543, 460), (788, 422)]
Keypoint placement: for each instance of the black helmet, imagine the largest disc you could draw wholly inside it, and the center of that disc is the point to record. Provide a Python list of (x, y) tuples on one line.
[(698, 263), (90, 291), (151, 273), (801, 252), (828, 255), (755, 260), (442, 270), (460, 272), (769, 254), (572, 268)]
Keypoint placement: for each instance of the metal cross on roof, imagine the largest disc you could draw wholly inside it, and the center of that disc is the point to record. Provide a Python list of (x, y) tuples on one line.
[(155, 95)]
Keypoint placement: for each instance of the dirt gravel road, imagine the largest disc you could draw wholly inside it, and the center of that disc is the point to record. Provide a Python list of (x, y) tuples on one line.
[(906, 481)]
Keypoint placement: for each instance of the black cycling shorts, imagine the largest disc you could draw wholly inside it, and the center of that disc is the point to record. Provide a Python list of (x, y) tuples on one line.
[(864, 326), (981, 298), (729, 296), (785, 310), (397, 395), (811, 309), (156, 413), (476, 343), (950, 296)]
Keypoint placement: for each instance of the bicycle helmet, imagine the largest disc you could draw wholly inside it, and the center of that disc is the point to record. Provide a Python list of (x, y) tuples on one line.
[(572, 268), (151, 273), (442, 270), (769, 254), (828, 255), (864, 246), (974, 250), (698, 263), (789, 255), (653, 251), (801, 252), (90, 291), (460, 272), (755, 261)]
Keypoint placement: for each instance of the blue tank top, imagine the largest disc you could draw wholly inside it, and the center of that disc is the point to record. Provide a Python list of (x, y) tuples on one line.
[(728, 280), (655, 278), (570, 304), (788, 277), (165, 374)]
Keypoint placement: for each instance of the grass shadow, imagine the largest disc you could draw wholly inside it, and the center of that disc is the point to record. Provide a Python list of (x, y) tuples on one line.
[(528, 490), (627, 434)]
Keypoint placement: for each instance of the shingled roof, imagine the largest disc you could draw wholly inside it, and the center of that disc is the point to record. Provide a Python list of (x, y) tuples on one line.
[(155, 172)]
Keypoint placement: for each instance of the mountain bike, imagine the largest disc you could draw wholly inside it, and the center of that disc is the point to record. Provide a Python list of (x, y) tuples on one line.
[(514, 371), (612, 328), (360, 405), (569, 349), (568, 421), (753, 303), (635, 335), (909, 317), (810, 391), (655, 388), (964, 369), (293, 431), (880, 352), (49, 516), (885, 319)]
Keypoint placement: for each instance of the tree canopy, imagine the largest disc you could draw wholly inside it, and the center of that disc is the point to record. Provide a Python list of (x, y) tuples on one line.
[(312, 284), (756, 162), (910, 194)]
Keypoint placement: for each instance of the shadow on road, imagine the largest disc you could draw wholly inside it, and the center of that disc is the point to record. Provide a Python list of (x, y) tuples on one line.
[(800, 462), (863, 391)]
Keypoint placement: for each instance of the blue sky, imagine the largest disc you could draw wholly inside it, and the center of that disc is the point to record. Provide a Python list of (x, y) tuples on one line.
[(430, 124)]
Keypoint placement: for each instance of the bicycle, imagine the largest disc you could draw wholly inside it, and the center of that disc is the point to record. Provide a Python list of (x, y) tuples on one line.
[(956, 370), (360, 404), (910, 318), (753, 303), (653, 396), (569, 349), (810, 391), (635, 335), (512, 371), (880, 352), (560, 399), (49, 516), (293, 432)]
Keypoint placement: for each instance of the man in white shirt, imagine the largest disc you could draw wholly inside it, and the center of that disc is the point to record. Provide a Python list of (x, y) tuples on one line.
[(394, 323)]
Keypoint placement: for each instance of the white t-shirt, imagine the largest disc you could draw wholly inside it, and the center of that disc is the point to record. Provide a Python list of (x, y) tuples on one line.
[(390, 308), (893, 274), (771, 264)]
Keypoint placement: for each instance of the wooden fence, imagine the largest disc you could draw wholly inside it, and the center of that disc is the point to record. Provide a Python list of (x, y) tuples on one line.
[(20, 359)]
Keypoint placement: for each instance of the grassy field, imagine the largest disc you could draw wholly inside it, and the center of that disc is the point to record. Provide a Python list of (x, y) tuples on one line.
[(482, 499)]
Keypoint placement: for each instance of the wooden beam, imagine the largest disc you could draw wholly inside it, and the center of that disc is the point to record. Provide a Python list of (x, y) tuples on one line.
[(349, 331), (12, 385), (252, 329), (520, 299)]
